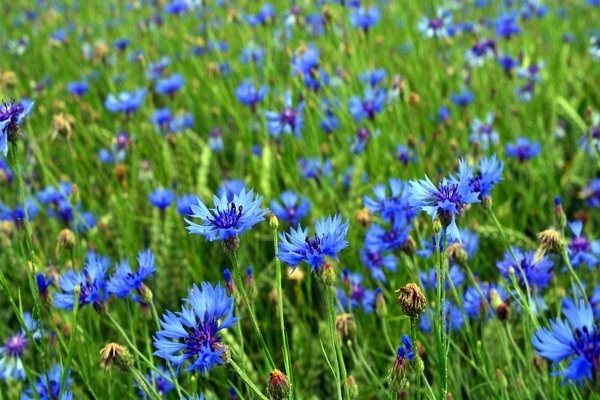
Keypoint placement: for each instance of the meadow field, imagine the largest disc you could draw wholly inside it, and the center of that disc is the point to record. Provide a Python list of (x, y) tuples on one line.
[(312, 199)]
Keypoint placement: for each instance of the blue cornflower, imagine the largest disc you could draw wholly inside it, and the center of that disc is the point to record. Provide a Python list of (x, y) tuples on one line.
[(215, 140), (91, 282), (581, 250), (247, 94), (364, 18), (475, 306), (17, 215), (252, 53), (506, 25), (508, 63), (525, 93), (126, 102), (483, 133), (157, 69), (313, 168), (230, 188), (429, 279), (315, 24), (291, 120), (405, 154), (531, 73), (406, 351), (489, 173), (369, 106), (125, 280), (184, 202), (373, 77), (192, 333), (43, 284), (169, 85), (48, 386), (161, 118), (533, 8), (83, 221), (454, 318), (306, 65), (360, 297), (479, 52), (160, 379), (592, 192), (78, 88), (469, 242), (590, 142), (376, 261), (328, 241), (398, 205), (523, 149), (380, 240), (438, 26), (576, 339), (180, 123), (292, 208), (463, 98), (443, 115), (446, 201), (11, 366), (228, 219), (11, 116), (161, 198), (537, 274)]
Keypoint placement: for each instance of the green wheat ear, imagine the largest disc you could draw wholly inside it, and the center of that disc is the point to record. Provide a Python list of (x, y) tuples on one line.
[(515, 238), (266, 164), (202, 178)]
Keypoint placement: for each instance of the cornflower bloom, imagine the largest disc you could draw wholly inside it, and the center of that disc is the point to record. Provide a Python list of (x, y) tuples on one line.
[(363, 18), (446, 201), (508, 63), (291, 120), (91, 285), (230, 188), (163, 385), (228, 219), (590, 142), (429, 278), (11, 116), (592, 192), (479, 52), (179, 123), (405, 154), (359, 295), (292, 208), (161, 118), (469, 242), (78, 88), (125, 281), (380, 240), (192, 333), (161, 198), (306, 65), (397, 374), (369, 106), (11, 366), (581, 250), (373, 77), (376, 261), (454, 318), (489, 173), (437, 27), (184, 202), (157, 69), (475, 306), (247, 94), (537, 274), (506, 25), (215, 140), (463, 98), (252, 53), (523, 149), (126, 102), (396, 205), (328, 240), (169, 85), (48, 386), (483, 133), (313, 168), (577, 340)]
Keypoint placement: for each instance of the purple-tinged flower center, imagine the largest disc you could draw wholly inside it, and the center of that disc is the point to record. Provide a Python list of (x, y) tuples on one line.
[(314, 245), (596, 132), (448, 192), (358, 292), (291, 212), (15, 345), (580, 245), (227, 218), (11, 111), (289, 117), (369, 109), (436, 23), (374, 258), (587, 345), (362, 134), (202, 336), (487, 129)]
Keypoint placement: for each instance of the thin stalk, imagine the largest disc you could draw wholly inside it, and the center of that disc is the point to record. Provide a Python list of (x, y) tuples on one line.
[(442, 339), (418, 362), (574, 276), (71, 351), (287, 359), (242, 289), (338, 360), (245, 379)]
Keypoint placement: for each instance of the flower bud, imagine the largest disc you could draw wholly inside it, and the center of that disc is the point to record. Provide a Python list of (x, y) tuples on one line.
[(457, 254), (64, 240), (437, 225), (273, 222), (327, 274), (363, 217), (352, 388), (380, 304), (560, 219), (278, 387), (412, 300), (116, 354), (346, 327), (250, 284), (551, 241), (231, 243)]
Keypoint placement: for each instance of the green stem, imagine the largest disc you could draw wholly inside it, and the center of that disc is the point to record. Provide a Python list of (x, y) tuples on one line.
[(574, 276), (418, 362), (242, 289), (71, 351), (338, 360), (442, 339), (287, 359), (146, 387), (245, 378)]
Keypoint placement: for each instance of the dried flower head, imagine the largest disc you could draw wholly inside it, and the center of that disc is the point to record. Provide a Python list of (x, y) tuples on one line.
[(412, 300)]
